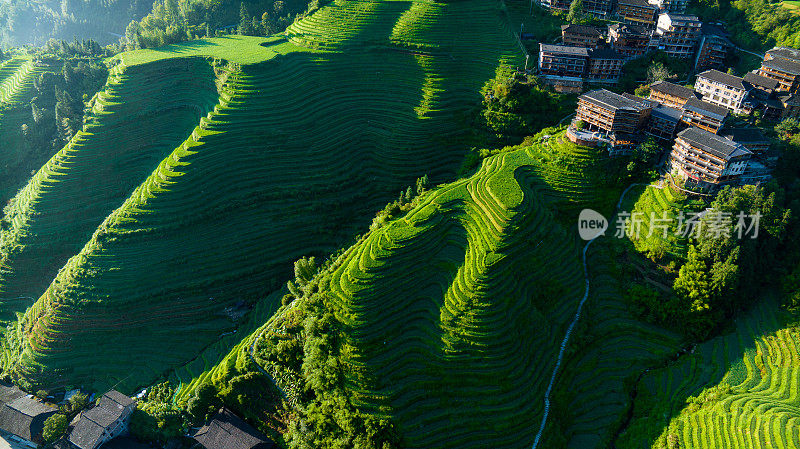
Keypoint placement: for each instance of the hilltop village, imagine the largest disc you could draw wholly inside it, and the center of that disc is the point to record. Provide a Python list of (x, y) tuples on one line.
[(706, 151)]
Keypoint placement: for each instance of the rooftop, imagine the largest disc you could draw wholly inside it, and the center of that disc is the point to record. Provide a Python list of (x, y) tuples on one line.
[(783, 65), (761, 81), (564, 49), (744, 135), (673, 89), (605, 53), (785, 53), (712, 143), (89, 429), (228, 431), (704, 107), (9, 393), (723, 78), (24, 417), (611, 100), (714, 30), (681, 17), (667, 112), (580, 29)]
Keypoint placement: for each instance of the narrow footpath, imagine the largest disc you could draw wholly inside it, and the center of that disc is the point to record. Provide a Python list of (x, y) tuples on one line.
[(577, 317)]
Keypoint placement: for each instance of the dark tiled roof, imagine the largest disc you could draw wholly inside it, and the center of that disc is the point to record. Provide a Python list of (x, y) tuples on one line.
[(88, 431), (673, 89), (790, 67), (610, 100), (712, 143), (228, 431), (667, 112), (10, 392), (761, 81), (744, 135), (713, 30), (580, 29), (785, 53), (693, 104), (605, 53), (683, 17), (564, 49), (724, 78), (24, 417)]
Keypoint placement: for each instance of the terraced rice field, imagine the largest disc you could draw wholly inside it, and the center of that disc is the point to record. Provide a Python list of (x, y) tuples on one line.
[(451, 312), (16, 91), (136, 121), (611, 347), (335, 131), (759, 362), (792, 6)]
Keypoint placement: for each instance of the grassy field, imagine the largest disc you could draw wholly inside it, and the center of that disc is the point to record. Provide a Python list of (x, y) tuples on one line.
[(172, 241)]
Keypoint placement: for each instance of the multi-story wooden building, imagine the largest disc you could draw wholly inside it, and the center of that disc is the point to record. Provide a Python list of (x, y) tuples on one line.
[(563, 67), (670, 94), (714, 48), (563, 60), (678, 34), (762, 87), (630, 41), (580, 36), (605, 66), (611, 113), (598, 8), (704, 115), (722, 89), (790, 104), (664, 122), (783, 70), (637, 12), (708, 159)]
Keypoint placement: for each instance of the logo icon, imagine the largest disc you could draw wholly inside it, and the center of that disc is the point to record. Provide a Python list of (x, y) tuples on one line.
[(591, 224)]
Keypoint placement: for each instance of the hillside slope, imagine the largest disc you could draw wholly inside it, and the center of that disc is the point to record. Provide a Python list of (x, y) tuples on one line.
[(334, 133), (17, 77), (136, 121), (448, 315), (738, 390)]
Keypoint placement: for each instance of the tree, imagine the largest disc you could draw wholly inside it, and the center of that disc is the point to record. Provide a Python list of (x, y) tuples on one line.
[(203, 402), (658, 72), (576, 13), (642, 91), (54, 427), (693, 282), (244, 20), (788, 128)]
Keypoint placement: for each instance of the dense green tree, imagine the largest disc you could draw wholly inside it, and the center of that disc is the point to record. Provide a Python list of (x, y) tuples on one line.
[(54, 427), (577, 13)]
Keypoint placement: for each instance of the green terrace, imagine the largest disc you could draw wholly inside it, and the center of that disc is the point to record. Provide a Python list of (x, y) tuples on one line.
[(173, 220)]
